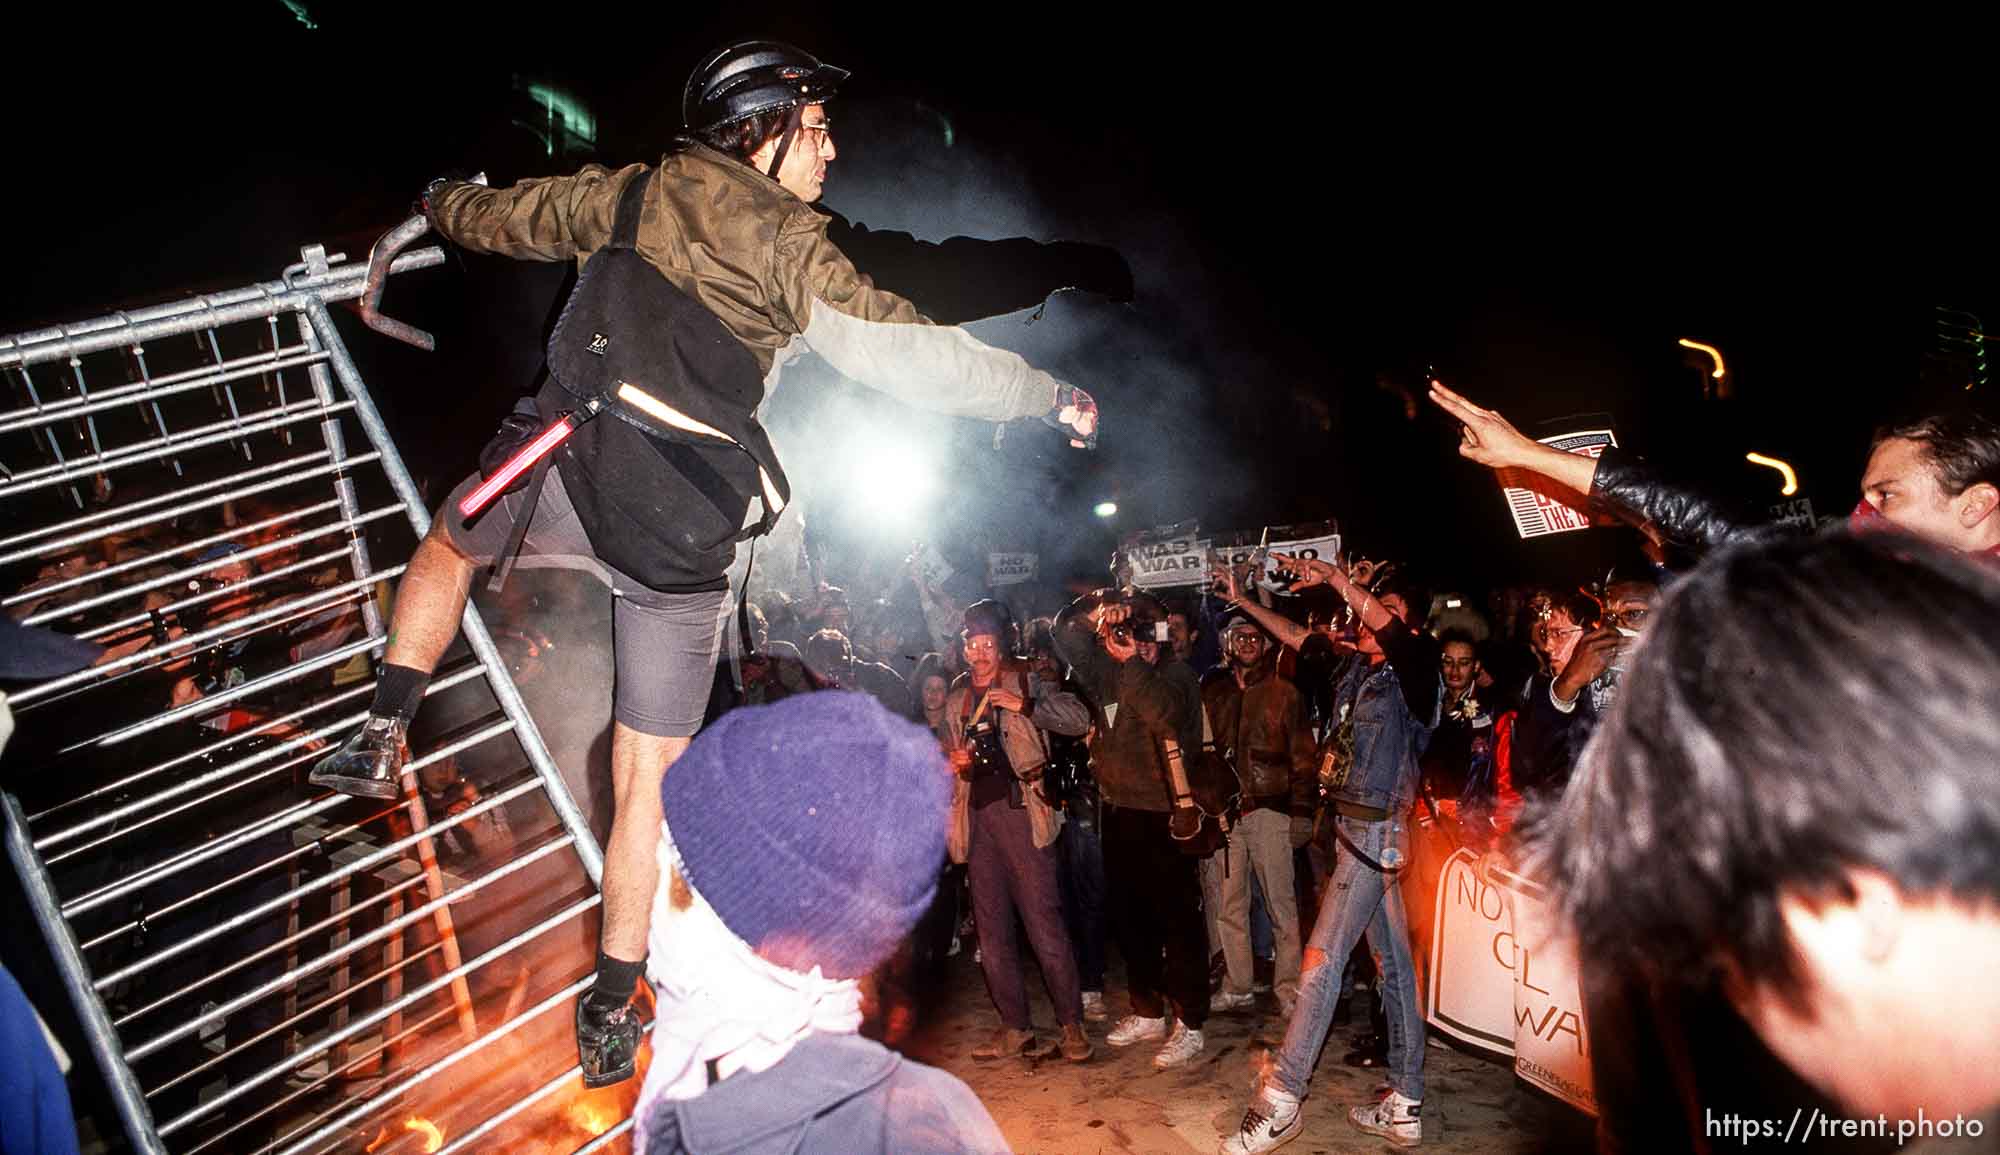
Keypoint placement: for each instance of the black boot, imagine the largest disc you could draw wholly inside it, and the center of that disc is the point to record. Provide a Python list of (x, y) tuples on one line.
[(607, 1041), (368, 765)]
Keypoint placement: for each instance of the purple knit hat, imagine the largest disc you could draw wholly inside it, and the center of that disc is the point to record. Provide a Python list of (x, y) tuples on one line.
[(814, 827)]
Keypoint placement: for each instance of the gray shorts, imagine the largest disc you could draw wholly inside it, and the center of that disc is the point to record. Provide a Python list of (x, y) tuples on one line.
[(663, 645)]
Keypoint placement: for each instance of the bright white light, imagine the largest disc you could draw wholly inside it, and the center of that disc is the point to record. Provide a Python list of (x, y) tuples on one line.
[(1106, 509), (893, 481)]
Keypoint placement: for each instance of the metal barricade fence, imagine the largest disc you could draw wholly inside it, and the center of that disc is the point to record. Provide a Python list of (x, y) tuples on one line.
[(207, 489)]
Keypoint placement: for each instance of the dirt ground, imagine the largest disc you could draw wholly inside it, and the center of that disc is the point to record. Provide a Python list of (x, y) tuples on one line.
[(1117, 1102)]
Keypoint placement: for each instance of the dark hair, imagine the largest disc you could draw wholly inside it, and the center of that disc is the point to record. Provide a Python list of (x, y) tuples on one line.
[(1584, 610), (1455, 634), (1800, 708), (740, 138), (1964, 447)]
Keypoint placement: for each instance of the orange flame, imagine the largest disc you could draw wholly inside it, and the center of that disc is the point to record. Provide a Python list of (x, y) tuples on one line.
[(433, 1138), (381, 1137), (593, 1119)]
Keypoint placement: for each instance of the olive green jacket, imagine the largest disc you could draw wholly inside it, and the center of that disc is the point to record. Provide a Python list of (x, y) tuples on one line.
[(759, 259)]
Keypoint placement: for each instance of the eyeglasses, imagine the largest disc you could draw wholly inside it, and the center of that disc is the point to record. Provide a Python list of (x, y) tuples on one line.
[(1631, 619), (823, 130), (981, 646)]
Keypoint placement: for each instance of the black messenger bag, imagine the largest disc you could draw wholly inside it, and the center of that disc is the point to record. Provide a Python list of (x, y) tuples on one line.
[(662, 482)]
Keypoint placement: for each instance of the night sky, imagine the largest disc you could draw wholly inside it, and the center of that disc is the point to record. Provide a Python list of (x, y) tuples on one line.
[(1317, 208)]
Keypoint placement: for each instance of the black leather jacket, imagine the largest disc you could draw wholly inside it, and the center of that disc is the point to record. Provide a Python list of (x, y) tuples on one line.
[(1627, 487)]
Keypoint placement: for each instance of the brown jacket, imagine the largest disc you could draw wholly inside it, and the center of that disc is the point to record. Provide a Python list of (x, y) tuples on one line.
[(759, 259), (1261, 730)]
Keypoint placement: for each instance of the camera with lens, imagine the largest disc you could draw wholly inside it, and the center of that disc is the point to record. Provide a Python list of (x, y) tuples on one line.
[(1128, 632)]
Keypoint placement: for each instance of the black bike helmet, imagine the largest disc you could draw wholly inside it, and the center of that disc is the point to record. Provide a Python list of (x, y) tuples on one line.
[(755, 76)]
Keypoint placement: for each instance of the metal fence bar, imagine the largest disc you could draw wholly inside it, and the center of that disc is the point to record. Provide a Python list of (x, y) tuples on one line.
[(323, 882), (55, 446), (159, 417), (290, 940), (126, 1096), (472, 1048), (333, 1070), (341, 283), (238, 556), (208, 704), (190, 642), (206, 851), (298, 1017), (141, 452), (218, 846), (495, 1122), (476, 635), (606, 1139), (343, 485), (267, 577), (574, 910), (438, 684), (186, 507), (153, 389)]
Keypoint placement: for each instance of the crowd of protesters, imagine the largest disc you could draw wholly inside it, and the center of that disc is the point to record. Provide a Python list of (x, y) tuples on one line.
[(1370, 727)]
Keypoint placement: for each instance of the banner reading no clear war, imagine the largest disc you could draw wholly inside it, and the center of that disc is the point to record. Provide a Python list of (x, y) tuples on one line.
[(1503, 980)]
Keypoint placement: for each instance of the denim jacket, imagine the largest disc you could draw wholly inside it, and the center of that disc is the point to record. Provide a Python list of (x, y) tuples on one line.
[(1390, 729)]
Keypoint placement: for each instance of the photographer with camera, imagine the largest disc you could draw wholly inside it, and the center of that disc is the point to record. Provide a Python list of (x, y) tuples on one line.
[(1005, 830), (1117, 646)]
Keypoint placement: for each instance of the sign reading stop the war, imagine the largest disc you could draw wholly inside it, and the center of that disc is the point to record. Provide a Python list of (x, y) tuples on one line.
[(1537, 514), (1502, 980)]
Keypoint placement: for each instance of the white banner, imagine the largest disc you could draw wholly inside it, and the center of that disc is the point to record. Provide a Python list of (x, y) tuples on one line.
[(1472, 959), (1537, 514), (1179, 561), (1327, 547), (1551, 1046), (936, 570), (1502, 981), (1006, 569)]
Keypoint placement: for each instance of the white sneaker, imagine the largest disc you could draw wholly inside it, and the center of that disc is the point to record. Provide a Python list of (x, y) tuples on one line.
[(1222, 1001), (1183, 1045), (1393, 1117), (1093, 1007), (1134, 1028), (1271, 1122)]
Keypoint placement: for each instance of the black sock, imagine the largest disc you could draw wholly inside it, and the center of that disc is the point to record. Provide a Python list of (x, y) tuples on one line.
[(616, 979), (399, 692)]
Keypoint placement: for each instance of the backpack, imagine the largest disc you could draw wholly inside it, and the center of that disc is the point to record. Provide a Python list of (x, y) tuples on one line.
[(663, 488)]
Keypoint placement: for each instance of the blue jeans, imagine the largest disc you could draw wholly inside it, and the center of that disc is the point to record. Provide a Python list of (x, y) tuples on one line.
[(1359, 899), (1082, 852)]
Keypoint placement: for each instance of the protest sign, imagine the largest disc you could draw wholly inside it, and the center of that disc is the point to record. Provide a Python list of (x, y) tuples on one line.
[(1175, 561), (935, 569), (1551, 1046), (1798, 511), (1502, 980), (1006, 569), (1537, 514), (1472, 959), (1326, 547)]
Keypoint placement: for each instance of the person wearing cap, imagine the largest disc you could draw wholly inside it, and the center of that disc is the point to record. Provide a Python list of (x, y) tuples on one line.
[(1259, 722), (727, 219), (798, 843), (1005, 829)]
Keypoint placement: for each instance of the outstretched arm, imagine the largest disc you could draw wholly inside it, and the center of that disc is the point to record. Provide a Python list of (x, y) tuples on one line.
[(882, 341), (1490, 439), (544, 219)]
